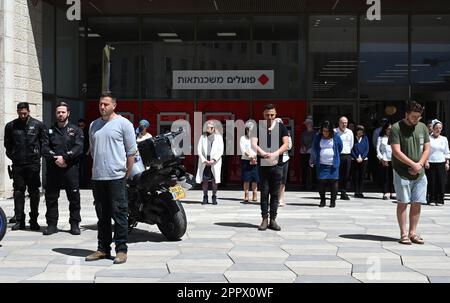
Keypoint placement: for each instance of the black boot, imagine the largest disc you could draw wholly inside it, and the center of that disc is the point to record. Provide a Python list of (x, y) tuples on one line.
[(322, 203), (205, 200), (50, 230), (333, 204), (75, 229), (214, 200), (33, 222), (13, 219), (19, 225)]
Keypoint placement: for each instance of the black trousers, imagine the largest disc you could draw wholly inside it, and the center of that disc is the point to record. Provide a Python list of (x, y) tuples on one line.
[(111, 201), (333, 184), (436, 182), (57, 179), (26, 176), (344, 171), (359, 171), (308, 174), (270, 185), (386, 175)]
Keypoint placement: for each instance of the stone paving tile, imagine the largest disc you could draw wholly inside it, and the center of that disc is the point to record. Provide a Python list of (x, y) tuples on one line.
[(391, 277), (327, 279), (259, 273), (223, 244), (194, 278)]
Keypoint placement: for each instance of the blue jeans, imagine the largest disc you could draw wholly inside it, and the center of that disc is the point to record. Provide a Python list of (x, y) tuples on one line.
[(111, 202)]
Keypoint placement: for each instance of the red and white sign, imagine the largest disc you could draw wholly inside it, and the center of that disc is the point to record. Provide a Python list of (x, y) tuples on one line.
[(223, 79)]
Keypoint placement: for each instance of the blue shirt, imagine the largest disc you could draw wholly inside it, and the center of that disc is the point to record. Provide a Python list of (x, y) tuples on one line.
[(361, 148)]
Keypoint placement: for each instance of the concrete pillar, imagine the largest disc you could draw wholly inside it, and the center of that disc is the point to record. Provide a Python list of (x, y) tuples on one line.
[(20, 68)]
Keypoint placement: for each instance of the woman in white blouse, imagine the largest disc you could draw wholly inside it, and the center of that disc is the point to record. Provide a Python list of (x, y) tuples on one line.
[(384, 155), (437, 165), (249, 164)]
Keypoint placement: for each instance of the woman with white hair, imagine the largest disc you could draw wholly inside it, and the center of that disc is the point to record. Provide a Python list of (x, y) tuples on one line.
[(249, 164), (210, 150), (437, 165)]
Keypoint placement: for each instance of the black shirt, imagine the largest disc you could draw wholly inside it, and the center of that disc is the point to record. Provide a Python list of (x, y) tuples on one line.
[(269, 142)]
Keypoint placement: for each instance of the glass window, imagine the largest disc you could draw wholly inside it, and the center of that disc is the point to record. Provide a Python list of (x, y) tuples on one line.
[(279, 47), (430, 51), (113, 56), (48, 48), (67, 56), (332, 56), (223, 44), (384, 58), (167, 46), (371, 112)]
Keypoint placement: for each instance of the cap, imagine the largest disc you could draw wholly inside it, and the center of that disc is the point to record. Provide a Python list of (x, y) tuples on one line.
[(144, 123)]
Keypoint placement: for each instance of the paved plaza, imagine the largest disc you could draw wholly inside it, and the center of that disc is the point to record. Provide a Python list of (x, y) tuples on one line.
[(352, 243)]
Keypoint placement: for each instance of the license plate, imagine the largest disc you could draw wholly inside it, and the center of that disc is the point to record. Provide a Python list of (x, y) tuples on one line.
[(177, 192)]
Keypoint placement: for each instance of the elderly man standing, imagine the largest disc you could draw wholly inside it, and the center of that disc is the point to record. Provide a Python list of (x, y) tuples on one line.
[(113, 146), (348, 139)]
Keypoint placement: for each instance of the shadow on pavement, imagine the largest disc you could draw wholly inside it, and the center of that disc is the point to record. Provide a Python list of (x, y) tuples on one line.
[(237, 224), (303, 204), (369, 237), (191, 202), (139, 235), (74, 252)]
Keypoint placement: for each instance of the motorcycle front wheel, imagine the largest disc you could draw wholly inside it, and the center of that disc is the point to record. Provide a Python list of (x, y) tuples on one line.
[(3, 223), (174, 225)]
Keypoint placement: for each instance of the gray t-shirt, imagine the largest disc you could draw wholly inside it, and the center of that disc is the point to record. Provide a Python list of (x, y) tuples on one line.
[(111, 143)]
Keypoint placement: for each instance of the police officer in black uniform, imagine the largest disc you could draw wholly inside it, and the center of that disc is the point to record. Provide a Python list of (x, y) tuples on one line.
[(65, 146), (24, 140)]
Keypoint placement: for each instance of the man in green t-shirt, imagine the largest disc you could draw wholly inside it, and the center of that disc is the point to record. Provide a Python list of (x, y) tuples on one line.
[(410, 145)]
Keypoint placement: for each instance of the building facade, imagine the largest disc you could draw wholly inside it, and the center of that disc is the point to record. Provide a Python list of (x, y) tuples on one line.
[(328, 59)]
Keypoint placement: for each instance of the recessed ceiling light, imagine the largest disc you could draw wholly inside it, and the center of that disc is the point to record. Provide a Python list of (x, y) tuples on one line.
[(439, 18), (168, 34), (172, 40), (226, 34), (338, 19)]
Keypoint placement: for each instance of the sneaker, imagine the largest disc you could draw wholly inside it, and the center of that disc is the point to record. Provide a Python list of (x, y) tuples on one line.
[(50, 230), (281, 204), (98, 255), (121, 257), (385, 197)]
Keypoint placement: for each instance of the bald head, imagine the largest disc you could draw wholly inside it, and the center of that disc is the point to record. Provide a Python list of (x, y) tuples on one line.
[(343, 122)]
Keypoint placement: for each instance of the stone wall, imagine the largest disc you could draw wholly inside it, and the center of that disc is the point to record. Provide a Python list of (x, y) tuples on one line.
[(20, 72)]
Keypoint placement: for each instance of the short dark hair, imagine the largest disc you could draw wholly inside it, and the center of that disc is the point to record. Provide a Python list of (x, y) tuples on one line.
[(63, 104), (23, 105), (108, 94), (269, 106), (81, 120), (327, 125), (413, 106), (384, 128)]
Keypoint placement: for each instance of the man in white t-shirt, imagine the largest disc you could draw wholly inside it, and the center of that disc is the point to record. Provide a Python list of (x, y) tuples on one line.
[(347, 138)]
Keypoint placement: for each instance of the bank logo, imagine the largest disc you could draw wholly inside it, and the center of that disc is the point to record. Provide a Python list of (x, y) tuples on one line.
[(263, 79)]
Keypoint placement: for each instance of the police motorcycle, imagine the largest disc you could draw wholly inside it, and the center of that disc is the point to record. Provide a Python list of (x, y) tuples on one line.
[(3, 223), (157, 183)]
